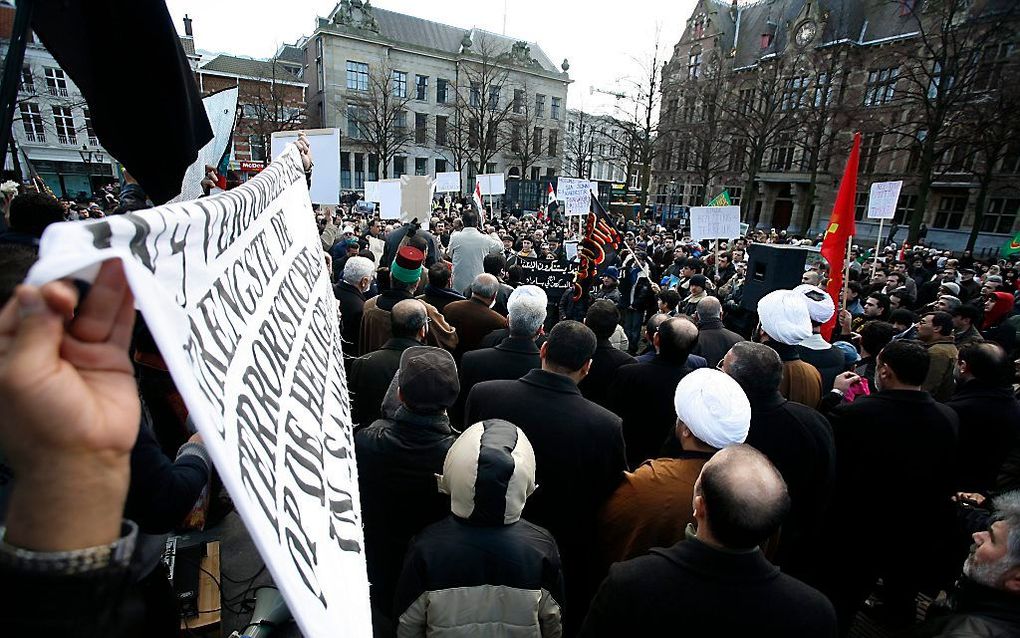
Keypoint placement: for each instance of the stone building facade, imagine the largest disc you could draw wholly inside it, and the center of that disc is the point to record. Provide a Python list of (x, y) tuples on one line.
[(427, 63), (766, 96), (594, 148)]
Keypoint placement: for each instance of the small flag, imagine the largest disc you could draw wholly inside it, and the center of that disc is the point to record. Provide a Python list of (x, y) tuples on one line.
[(1012, 246), (552, 193), (722, 199), (478, 198)]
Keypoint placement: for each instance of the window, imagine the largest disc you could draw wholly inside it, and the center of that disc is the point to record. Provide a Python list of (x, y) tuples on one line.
[(476, 94), (65, 125), (493, 98), (950, 212), (906, 7), (745, 101), (738, 150), (782, 155), (1010, 163), (536, 173), (683, 155), (602, 150), (823, 89), (257, 148), (321, 107), (570, 127), (988, 75), (440, 166), (905, 208), (400, 119), (698, 30), (56, 82), (359, 171), (441, 85), (441, 131), (694, 64), (399, 166), (766, 40), (27, 80), (515, 138), (490, 168), (696, 196), (357, 76), (420, 127), (881, 86), (735, 193), (31, 119), (1000, 215), (373, 168), (553, 135), (860, 206), (355, 124), (318, 46), (795, 94), (550, 172), (345, 170), (421, 166), (490, 137), (554, 111), (870, 150), (421, 87), (536, 141), (321, 78), (399, 84), (959, 159), (518, 105), (474, 134), (539, 105)]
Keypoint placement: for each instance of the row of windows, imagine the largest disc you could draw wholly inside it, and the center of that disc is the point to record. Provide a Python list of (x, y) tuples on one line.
[(692, 194), (357, 168), (63, 121), (1000, 212), (56, 81)]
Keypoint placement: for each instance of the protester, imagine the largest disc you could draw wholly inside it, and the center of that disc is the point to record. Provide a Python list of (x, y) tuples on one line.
[(996, 326), (474, 318), (603, 319), (437, 292), (785, 322), (815, 350), (483, 569), (965, 322), (358, 275), (651, 508), (698, 285), (398, 459), (935, 331), (468, 249), (717, 582), (714, 341)]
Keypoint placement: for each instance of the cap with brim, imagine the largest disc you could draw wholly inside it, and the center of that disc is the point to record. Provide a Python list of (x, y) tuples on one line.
[(407, 265)]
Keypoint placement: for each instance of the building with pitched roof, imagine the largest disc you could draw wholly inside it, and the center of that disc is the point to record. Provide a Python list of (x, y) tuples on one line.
[(762, 99), (426, 68)]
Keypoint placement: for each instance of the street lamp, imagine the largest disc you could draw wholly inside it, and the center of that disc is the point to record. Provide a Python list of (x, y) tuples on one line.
[(87, 157), (672, 197)]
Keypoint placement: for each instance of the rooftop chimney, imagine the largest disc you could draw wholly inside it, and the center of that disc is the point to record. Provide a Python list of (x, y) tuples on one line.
[(187, 26)]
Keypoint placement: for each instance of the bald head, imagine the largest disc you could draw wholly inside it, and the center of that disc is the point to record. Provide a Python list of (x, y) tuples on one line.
[(744, 498), (485, 286), (676, 338), (709, 308), (407, 318)]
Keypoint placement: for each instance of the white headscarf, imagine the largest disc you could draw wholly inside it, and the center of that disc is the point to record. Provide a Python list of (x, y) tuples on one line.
[(819, 302), (784, 316), (713, 407)]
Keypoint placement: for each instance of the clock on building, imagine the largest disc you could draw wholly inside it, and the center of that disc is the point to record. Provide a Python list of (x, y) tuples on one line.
[(806, 32)]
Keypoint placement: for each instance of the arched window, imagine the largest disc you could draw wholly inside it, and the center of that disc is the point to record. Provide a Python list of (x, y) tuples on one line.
[(694, 63)]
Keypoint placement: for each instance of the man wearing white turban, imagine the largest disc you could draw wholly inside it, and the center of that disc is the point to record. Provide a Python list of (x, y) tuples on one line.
[(784, 322), (652, 506), (824, 356)]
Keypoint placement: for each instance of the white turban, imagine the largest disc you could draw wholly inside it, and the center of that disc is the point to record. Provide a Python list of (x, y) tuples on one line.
[(713, 407), (784, 316), (819, 302)]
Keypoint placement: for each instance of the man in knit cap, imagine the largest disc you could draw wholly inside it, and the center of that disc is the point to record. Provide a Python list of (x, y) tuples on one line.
[(652, 506), (784, 322), (405, 273), (825, 357)]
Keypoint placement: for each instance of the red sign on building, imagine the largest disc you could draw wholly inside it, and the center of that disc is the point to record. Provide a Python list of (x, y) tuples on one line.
[(252, 167)]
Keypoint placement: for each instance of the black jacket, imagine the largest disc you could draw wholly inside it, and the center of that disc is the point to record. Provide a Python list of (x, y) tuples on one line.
[(714, 341), (580, 461), (989, 428), (978, 612), (798, 441), (510, 360), (352, 306), (397, 464), (370, 376), (439, 297), (642, 395), (693, 589), (604, 364), (829, 363)]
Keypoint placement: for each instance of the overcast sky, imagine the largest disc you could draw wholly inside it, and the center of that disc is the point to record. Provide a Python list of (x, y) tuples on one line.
[(598, 38)]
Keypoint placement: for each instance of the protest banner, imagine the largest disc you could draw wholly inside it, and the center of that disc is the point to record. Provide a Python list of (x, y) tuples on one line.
[(235, 293), (221, 109), (883, 199), (372, 192), (555, 278), (448, 182), (491, 183), (325, 143), (575, 194), (715, 222)]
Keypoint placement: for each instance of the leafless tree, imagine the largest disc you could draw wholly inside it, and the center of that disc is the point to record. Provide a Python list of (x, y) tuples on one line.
[(579, 147), (268, 105), (521, 147), (377, 116)]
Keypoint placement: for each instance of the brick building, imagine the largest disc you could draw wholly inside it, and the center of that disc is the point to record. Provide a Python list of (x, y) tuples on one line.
[(762, 99)]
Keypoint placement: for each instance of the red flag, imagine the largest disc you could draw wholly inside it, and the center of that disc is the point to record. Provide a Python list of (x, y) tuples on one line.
[(841, 228)]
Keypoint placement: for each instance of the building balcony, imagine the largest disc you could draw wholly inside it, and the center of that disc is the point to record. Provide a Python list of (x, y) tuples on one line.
[(58, 91)]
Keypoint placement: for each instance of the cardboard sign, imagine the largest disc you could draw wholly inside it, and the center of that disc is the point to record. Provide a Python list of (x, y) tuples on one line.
[(416, 198), (715, 222), (448, 182), (883, 199), (388, 192), (491, 183), (550, 276), (575, 195), (235, 292), (325, 143)]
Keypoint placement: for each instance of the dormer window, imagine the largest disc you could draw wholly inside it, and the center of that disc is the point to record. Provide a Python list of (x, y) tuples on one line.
[(766, 40), (699, 26)]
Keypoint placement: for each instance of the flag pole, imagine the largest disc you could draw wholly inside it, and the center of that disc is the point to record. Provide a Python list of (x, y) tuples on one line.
[(846, 269), (878, 246)]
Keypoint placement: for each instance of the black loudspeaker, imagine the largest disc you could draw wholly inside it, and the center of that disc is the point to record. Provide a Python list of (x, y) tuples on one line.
[(771, 267)]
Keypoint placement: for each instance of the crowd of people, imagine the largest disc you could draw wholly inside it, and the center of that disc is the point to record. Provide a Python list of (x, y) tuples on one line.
[(649, 453)]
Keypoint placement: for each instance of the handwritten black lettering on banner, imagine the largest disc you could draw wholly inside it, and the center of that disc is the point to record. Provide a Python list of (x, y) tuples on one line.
[(552, 276), (235, 294)]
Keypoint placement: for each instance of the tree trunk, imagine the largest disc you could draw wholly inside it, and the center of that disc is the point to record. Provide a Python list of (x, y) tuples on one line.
[(979, 211), (923, 189)]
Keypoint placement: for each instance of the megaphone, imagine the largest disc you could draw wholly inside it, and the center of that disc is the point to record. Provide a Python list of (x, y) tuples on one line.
[(270, 612)]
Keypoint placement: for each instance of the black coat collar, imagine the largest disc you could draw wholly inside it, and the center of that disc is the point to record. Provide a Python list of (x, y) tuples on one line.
[(523, 345), (551, 381)]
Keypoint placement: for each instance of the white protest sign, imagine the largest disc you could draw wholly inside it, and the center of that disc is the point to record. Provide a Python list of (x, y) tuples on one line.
[(416, 198), (715, 222), (234, 290), (325, 144), (594, 188), (491, 183), (388, 192), (221, 109), (377, 248), (883, 199), (372, 192), (448, 182), (575, 195)]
